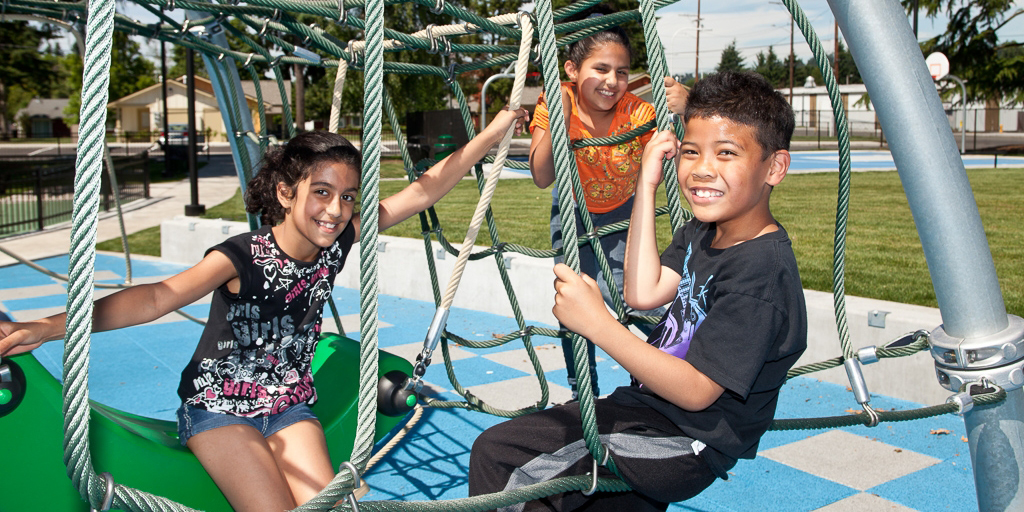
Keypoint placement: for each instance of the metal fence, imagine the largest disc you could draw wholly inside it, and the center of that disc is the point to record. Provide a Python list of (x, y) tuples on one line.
[(36, 192), (987, 130)]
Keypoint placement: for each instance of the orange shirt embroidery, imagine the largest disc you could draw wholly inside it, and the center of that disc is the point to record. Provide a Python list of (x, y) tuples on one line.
[(608, 173)]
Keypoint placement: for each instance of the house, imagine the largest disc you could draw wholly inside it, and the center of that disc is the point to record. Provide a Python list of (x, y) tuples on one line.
[(141, 111), (43, 118)]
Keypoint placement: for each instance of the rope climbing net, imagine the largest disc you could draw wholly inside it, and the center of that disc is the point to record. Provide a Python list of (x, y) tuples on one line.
[(260, 23)]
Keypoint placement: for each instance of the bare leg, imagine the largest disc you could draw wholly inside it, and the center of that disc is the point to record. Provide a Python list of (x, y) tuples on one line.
[(244, 467), (301, 454)]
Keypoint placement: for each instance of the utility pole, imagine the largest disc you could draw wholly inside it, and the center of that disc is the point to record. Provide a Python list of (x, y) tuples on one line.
[(835, 59), (696, 71), (791, 63)]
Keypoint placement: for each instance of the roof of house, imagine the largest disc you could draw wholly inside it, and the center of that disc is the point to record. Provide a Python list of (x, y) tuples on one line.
[(51, 108), (271, 93)]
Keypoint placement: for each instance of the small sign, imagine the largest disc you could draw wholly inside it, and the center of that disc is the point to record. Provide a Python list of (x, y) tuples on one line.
[(938, 65)]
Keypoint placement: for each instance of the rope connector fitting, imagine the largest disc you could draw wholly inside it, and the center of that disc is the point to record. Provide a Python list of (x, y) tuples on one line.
[(593, 485), (856, 376), (868, 354), (108, 494), (356, 482)]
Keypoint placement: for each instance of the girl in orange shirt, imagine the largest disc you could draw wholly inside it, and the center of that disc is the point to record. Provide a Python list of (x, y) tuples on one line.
[(596, 103)]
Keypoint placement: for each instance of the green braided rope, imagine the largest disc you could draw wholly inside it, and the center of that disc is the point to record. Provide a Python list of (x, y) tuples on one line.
[(565, 166), (843, 203)]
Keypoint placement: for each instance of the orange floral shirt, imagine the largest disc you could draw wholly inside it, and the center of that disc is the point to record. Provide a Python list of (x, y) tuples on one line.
[(608, 173)]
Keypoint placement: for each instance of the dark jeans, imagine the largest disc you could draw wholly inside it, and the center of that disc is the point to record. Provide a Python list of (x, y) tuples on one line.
[(614, 247)]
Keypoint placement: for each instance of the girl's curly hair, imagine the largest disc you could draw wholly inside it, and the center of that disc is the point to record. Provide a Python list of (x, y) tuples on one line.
[(292, 163)]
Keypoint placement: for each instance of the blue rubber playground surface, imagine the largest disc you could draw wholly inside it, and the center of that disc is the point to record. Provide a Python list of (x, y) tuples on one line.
[(918, 465)]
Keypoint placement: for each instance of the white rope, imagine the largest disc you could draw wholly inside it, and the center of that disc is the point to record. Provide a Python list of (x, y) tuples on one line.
[(499, 162), (445, 30), (339, 85)]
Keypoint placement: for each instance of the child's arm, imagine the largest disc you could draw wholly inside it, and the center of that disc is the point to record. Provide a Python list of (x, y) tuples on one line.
[(646, 283), (444, 175), (542, 159), (579, 306), (131, 306)]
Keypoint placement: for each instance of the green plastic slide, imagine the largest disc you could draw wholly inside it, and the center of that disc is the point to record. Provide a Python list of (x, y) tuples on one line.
[(144, 453)]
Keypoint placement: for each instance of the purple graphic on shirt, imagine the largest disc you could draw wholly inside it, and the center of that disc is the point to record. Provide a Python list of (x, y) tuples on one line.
[(676, 330)]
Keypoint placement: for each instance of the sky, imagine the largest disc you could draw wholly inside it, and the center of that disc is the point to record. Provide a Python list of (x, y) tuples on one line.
[(753, 24), (757, 24)]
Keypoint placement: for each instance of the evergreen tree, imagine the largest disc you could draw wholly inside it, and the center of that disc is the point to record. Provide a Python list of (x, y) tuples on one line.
[(772, 69), (130, 71), (731, 59)]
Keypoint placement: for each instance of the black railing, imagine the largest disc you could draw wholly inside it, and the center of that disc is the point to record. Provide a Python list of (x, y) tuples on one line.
[(36, 192)]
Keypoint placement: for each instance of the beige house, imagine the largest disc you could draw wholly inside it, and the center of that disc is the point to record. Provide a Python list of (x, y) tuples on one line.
[(141, 111)]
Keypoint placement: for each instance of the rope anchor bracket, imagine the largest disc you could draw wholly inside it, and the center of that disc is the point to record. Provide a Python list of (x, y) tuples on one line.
[(429, 344), (999, 357)]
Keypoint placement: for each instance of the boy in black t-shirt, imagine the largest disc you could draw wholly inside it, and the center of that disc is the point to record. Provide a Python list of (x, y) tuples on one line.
[(705, 384)]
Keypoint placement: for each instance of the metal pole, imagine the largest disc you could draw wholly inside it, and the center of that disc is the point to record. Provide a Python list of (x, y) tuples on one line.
[(977, 339), (483, 96), (194, 209), (963, 107)]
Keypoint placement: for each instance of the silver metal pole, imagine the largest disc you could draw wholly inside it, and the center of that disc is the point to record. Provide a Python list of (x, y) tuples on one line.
[(483, 94), (963, 107), (977, 339)]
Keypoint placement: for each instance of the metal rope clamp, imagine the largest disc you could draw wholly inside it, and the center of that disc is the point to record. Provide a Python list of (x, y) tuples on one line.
[(108, 495), (964, 400), (860, 388), (356, 482), (593, 485)]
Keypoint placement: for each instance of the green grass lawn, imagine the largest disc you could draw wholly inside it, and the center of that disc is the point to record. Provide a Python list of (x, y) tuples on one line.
[(884, 259)]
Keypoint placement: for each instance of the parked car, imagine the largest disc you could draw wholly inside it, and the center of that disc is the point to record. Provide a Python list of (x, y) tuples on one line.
[(178, 134)]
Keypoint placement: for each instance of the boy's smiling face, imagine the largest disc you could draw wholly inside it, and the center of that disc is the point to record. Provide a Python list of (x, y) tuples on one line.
[(726, 179)]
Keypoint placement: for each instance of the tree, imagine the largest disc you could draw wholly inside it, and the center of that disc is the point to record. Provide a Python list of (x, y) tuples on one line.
[(848, 72), (990, 68), (23, 68), (130, 71), (731, 59), (772, 69)]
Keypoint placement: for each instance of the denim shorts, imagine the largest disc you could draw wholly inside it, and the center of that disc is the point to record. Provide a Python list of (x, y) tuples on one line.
[(192, 420)]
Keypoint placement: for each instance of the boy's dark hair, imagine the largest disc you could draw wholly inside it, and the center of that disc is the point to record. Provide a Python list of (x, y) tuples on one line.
[(292, 163), (745, 98)]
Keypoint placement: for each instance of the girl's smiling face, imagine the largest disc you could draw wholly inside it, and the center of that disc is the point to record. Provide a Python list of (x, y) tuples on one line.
[(317, 210), (602, 77)]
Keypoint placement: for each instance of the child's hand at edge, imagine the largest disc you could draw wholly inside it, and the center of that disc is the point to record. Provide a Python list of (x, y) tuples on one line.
[(662, 146), (16, 337), (675, 95), (578, 303), (505, 117)]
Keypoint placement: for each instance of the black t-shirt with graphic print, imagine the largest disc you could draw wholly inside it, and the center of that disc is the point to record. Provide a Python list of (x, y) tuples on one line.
[(255, 354), (739, 318)]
